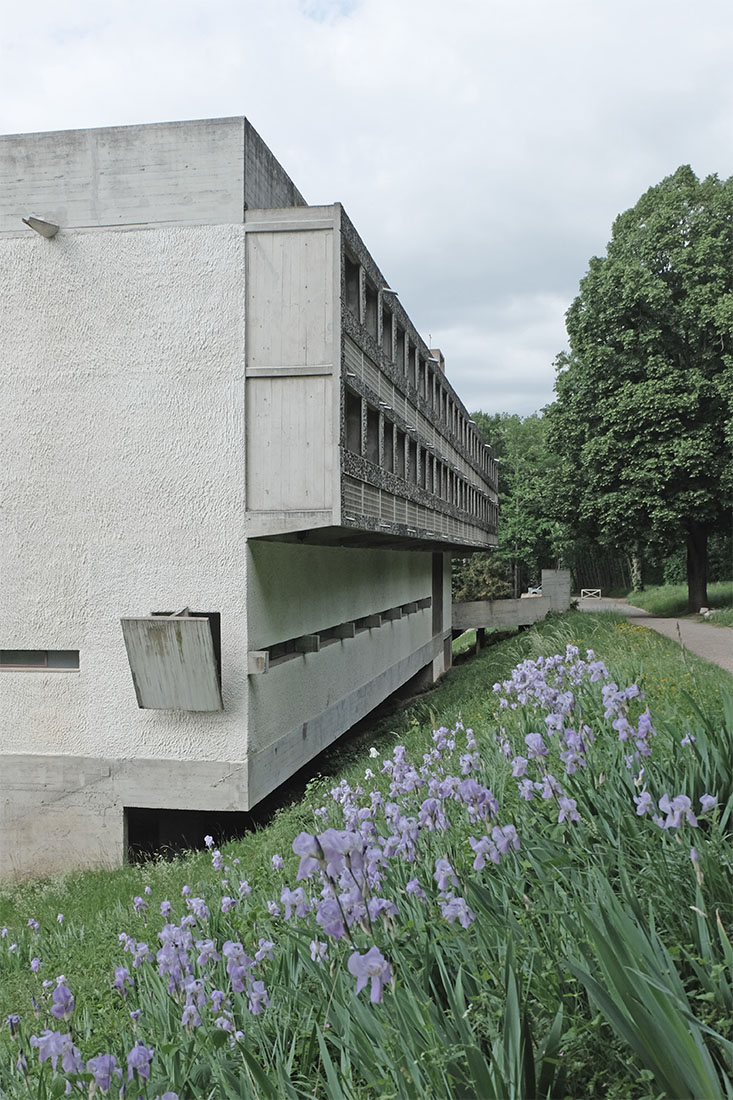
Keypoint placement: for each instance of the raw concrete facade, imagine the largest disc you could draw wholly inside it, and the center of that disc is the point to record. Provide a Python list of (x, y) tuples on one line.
[(210, 402)]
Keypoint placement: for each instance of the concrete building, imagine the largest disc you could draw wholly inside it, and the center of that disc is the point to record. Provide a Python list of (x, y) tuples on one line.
[(233, 477)]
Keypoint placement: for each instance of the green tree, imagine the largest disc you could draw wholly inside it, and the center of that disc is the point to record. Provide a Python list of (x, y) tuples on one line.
[(642, 419), (527, 534)]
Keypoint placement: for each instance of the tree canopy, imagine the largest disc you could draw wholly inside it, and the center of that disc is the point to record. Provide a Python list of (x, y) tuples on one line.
[(643, 420), (527, 535)]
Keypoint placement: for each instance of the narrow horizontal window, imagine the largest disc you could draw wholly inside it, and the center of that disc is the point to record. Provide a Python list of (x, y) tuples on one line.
[(52, 659)]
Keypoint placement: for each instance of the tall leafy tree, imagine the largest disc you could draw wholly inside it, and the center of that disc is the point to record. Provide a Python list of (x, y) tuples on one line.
[(527, 534), (643, 416)]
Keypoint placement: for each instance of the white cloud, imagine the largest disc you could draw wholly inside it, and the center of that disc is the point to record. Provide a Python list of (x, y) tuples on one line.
[(482, 149)]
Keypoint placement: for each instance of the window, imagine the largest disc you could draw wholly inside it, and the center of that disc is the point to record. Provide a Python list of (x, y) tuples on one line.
[(400, 349), (386, 332), (412, 367), (370, 319), (353, 422), (411, 461), (372, 436), (351, 287), (54, 660), (400, 454), (389, 446)]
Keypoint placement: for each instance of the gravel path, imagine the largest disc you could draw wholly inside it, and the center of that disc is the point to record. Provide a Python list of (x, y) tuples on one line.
[(712, 643)]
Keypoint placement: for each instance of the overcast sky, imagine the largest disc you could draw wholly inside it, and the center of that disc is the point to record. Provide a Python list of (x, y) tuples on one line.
[(482, 148)]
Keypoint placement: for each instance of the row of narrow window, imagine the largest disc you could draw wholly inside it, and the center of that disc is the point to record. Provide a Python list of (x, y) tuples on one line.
[(373, 312), (312, 643), (40, 659), (386, 445)]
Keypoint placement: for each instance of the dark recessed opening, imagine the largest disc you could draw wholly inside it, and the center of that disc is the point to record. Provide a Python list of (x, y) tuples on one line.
[(353, 422), (371, 318), (167, 833), (351, 281)]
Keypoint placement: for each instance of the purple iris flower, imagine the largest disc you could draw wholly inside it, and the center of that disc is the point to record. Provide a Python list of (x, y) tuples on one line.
[(381, 906), (63, 1002), (526, 790), (104, 1068), (568, 810), (373, 967), (53, 1045), (677, 809), (265, 950), (550, 787), (519, 766), (483, 848), (138, 1061), (307, 847), (190, 1015), (413, 887), (207, 952), (454, 909), (122, 978), (707, 802), (505, 838), (258, 999), (536, 745), (444, 874), (643, 802), (199, 908)]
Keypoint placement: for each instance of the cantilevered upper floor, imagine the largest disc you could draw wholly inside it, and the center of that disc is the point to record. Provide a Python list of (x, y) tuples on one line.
[(354, 433)]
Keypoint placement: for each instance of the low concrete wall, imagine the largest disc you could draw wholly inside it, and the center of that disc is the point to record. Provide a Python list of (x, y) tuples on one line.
[(493, 614)]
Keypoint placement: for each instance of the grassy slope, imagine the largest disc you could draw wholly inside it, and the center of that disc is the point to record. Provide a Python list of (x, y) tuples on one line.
[(98, 905), (671, 599)]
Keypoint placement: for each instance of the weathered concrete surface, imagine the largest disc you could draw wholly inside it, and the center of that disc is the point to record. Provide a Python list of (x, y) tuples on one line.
[(712, 643), (184, 172), (496, 614)]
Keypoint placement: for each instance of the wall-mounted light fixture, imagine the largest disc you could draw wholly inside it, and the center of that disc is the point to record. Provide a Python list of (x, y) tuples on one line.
[(46, 229)]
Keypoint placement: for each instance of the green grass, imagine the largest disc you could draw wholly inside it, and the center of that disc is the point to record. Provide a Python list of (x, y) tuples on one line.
[(724, 617), (465, 643), (670, 600), (566, 906)]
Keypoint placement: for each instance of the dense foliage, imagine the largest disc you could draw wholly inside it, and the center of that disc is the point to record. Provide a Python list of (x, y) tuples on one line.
[(537, 905), (528, 537), (532, 536), (643, 420)]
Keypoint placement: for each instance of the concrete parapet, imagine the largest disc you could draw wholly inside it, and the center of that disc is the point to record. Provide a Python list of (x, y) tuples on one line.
[(508, 613)]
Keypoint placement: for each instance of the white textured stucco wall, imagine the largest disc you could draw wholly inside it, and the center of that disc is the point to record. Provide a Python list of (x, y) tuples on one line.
[(122, 481)]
